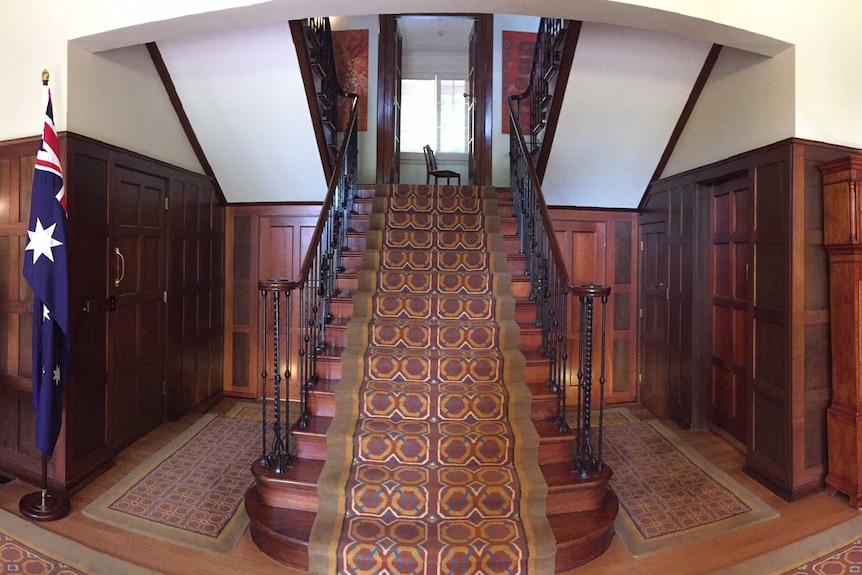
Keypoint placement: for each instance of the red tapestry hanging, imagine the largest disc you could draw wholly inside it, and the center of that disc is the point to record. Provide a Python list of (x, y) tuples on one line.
[(518, 48), (351, 62)]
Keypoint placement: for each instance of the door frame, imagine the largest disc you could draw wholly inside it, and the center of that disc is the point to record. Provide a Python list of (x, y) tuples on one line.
[(386, 72)]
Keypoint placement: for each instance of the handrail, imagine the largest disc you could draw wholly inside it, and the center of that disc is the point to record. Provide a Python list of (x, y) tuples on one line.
[(315, 286), (540, 199), (550, 284)]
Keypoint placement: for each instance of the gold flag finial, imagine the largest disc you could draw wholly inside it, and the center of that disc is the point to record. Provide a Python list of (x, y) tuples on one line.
[(45, 76)]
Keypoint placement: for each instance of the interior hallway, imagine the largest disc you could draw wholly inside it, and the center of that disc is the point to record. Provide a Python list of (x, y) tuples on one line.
[(806, 517)]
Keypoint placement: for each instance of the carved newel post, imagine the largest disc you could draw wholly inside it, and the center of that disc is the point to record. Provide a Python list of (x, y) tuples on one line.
[(842, 235)]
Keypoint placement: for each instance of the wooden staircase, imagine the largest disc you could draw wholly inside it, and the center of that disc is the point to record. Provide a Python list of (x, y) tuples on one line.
[(282, 508)]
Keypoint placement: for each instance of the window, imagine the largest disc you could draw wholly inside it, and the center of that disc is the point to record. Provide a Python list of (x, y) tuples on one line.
[(433, 112)]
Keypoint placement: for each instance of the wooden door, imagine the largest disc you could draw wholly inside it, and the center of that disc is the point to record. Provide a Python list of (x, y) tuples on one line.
[(653, 312), (729, 262), (136, 333), (479, 94), (389, 100)]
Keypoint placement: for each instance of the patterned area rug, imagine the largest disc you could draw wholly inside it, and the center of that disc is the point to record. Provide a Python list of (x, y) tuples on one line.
[(668, 492), (836, 551), (31, 550), (444, 479), (191, 491)]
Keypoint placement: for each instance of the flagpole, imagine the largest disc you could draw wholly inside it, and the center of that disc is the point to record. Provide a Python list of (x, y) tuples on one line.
[(45, 504)]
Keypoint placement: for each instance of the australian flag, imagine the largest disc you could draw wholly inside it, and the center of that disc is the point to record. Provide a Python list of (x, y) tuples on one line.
[(45, 258)]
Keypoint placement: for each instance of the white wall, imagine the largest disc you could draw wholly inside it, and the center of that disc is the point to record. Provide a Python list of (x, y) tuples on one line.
[(500, 141), (748, 102), (368, 138), (828, 70), (243, 93), (117, 97), (625, 93)]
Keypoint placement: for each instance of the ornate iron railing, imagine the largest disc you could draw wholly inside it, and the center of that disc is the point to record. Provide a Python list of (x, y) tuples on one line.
[(321, 56), (534, 103), (550, 286), (295, 312)]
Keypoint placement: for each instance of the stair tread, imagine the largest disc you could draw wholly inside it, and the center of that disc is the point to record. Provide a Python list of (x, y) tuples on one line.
[(303, 472), (317, 425), (560, 476), (549, 432)]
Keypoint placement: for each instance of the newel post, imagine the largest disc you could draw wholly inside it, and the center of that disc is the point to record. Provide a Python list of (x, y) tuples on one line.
[(842, 236)]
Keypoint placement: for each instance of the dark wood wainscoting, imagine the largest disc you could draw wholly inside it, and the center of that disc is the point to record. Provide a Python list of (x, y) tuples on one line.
[(600, 247), (152, 354), (782, 319), (263, 241)]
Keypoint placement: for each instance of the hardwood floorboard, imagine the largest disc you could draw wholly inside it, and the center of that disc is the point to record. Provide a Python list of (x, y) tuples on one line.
[(797, 520)]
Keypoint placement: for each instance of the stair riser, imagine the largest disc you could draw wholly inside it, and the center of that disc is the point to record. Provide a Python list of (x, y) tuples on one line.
[(359, 223), (520, 286), (554, 452), (347, 283), (310, 446), (341, 308), (577, 498), (356, 241), (363, 206), (336, 335), (351, 261), (543, 407), (301, 498), (328, 367), (321, 404), (531, 339), (512, 243)]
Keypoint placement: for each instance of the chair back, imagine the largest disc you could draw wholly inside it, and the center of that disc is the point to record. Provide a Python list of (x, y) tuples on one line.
[(430, 160)]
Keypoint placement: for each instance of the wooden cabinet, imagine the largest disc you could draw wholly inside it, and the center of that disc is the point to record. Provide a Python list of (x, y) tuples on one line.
[(780, 324), (842, 179), (145, 296)]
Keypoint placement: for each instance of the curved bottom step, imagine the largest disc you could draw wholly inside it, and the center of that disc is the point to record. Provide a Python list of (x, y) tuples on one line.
[(584, 535), (280, 533), (283, 534)]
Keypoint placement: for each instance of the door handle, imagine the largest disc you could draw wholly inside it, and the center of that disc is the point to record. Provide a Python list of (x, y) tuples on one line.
[(119, 267)]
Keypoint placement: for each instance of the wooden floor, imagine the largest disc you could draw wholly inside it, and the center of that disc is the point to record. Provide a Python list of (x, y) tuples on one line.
[(797, 520)]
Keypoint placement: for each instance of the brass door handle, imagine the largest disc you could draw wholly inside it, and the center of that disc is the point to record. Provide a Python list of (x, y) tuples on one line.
[(119, 267)]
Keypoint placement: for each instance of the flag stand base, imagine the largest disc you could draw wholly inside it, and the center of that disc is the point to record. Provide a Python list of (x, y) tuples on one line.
[(49, 506), (45, 504)]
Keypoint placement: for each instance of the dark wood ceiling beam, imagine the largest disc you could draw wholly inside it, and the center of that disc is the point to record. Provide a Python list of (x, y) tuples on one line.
[(573, 32), (168, 83), (705, 71)]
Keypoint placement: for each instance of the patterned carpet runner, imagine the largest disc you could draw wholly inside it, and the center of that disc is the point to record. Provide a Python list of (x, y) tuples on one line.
[(669, 494), (432, 482), (191, 491)]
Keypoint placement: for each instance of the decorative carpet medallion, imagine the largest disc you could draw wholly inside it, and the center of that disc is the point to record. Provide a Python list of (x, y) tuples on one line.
[(670, 494), (437, 480), (31, 550), (191, 491)]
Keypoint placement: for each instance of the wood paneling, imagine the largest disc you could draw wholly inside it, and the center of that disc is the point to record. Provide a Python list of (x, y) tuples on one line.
[(599, 247), (116, 393), (786, 331), (262, 242)]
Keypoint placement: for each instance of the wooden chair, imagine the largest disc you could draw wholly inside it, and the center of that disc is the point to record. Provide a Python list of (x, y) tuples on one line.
[(432, 170)]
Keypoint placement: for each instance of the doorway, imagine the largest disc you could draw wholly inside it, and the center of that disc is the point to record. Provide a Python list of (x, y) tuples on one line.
[(435, 88)]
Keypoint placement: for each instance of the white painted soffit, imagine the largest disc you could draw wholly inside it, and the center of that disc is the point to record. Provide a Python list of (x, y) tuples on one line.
[(625, 93), (151, 22), (245, 100)]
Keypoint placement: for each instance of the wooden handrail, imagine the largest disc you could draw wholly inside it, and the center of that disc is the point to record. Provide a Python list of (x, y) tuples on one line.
[(278, 284), (556, 253)]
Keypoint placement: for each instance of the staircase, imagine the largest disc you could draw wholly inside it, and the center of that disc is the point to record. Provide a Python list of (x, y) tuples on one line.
[(283, 507)]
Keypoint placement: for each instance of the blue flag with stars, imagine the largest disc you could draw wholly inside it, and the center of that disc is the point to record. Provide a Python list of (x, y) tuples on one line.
[(45, 257)]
